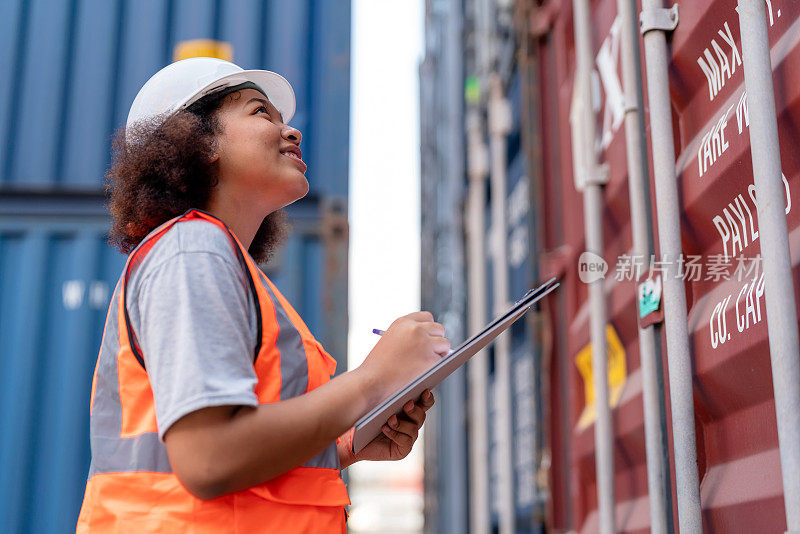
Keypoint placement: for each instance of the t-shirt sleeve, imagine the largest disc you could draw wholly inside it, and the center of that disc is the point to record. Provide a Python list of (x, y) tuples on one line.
[(195, 335)]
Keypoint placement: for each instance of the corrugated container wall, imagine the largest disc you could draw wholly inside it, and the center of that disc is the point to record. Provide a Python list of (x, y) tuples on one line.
[(71, 70), (734, 405)]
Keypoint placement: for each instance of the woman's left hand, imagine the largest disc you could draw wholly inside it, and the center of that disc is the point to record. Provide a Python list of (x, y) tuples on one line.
[(397, 435)]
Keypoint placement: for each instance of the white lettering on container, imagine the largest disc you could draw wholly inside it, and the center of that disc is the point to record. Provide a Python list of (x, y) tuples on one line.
[(98, 294), (734, 228), (737, 224), (742, 114), (747, 309), (614, 106), (713, 144), (750, 312), (720, 69), (72, 292), (717, 324), (751, 189)]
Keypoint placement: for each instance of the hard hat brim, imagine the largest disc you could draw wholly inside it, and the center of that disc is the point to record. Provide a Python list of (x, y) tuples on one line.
[(278, 90)]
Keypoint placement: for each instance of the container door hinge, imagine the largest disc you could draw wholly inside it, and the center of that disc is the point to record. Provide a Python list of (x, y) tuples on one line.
[(658, 19), (600, 176)]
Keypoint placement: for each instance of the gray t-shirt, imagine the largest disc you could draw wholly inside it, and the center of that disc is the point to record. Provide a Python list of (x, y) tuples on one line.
[(193, 314)]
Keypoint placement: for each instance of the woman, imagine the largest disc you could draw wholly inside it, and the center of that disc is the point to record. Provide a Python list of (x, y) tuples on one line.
[(213, 408)]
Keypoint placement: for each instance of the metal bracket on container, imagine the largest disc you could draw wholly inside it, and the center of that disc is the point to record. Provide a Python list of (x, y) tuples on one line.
[(658, 18), (600, 176)]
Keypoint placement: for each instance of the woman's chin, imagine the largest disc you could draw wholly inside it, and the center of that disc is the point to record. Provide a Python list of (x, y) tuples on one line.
[(302, 187), (295, 192)]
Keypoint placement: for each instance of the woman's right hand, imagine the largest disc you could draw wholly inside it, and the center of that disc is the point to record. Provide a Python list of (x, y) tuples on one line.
[(410, 346)]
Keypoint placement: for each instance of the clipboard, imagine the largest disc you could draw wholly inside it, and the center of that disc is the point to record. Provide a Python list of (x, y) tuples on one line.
[(369, 426)]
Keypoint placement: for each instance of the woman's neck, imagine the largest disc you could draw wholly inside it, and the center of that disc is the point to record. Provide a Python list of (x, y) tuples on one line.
[(238, 218)]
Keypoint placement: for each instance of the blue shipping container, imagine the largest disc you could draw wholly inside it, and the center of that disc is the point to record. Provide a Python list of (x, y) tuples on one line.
[(55, 283), (71, 70), (56, 278)]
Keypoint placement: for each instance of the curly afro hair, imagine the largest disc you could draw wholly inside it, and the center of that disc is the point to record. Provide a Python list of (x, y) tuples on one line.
[(161, 168)]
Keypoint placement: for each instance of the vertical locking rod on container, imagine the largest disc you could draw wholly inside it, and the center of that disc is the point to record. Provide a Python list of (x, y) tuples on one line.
[(478, 366), (655, 21), (499, 127), (590, 179), (641, 223), (453, 73), (774, 240)]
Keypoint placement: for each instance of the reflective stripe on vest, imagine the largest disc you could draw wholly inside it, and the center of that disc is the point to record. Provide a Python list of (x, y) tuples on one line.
[(123, 431)]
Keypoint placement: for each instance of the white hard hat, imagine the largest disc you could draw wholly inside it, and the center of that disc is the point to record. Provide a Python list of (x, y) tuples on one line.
[(184, 82)]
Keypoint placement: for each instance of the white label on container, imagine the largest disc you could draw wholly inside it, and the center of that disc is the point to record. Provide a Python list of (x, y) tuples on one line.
[(98, 294), (72, 292)]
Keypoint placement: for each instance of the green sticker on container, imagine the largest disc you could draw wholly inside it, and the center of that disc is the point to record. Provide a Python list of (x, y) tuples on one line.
[(472, 90), (649, 296)]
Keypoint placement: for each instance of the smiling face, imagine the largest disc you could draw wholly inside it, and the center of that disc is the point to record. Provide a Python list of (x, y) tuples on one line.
[(258, 156)]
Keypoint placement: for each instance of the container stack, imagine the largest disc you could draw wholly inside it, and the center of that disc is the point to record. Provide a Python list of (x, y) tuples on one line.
[(517, 444), (71, 71)]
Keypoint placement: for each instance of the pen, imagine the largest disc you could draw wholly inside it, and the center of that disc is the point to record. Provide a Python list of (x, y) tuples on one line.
[(378, 331)]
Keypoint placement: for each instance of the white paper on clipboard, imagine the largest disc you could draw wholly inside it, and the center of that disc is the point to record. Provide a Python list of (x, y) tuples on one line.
[(369, 426)]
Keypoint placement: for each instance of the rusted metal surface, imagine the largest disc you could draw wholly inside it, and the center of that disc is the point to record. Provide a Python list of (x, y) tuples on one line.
[(737, 443), (335, 232)]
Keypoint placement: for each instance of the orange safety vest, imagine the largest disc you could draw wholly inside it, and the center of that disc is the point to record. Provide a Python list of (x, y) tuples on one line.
[(131, 486)]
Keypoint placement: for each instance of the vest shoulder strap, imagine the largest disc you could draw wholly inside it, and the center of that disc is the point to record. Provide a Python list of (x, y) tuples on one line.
[(138, 254)]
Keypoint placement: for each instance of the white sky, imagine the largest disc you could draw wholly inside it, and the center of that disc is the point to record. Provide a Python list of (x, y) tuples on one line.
[(384, 167), (384, 264)]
